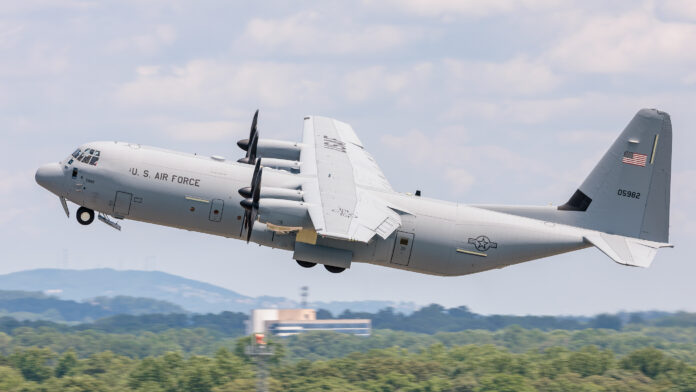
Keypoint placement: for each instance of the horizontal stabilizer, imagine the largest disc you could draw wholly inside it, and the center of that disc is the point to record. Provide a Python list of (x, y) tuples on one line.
[(626, 250)]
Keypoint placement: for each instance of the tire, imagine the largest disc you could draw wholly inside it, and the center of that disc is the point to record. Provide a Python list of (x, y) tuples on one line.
[(84, 216), (306, 264), (334, 270)]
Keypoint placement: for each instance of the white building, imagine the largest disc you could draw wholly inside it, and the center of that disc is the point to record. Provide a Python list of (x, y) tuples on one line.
[(286, 322)]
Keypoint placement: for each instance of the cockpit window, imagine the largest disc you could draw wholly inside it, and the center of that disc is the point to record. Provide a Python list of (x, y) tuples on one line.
[(89, 156)]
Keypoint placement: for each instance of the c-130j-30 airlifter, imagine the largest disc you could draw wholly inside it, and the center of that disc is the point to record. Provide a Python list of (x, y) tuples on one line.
[(326, 200)]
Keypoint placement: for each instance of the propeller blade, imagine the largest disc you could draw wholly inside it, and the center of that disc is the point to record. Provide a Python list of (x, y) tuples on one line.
[(251, 204), (244, 143), (245, 222), (252, 131), (256, 195), (252, 218), (248, 191), (250, 157), (252, 149)]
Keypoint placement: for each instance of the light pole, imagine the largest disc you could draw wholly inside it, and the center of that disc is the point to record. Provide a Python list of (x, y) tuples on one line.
[(259, 351)]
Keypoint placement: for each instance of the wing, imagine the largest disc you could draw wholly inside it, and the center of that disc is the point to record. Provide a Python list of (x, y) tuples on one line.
[(344, 185)]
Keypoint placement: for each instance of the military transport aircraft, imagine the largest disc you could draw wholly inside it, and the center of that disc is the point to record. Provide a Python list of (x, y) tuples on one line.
[(326, 200)]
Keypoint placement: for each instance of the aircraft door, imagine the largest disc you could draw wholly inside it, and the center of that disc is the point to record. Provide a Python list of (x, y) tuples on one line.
[(216, 210), (122, 204), (402, 248)]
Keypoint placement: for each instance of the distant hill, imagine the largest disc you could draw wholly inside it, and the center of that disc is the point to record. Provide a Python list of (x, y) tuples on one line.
[(192, 295), (28, 305)]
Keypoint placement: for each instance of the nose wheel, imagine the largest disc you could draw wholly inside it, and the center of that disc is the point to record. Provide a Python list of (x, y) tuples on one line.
[(84, 216)]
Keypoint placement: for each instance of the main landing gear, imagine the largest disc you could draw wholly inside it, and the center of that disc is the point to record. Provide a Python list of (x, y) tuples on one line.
[(334, 270), (85, 216), (330, 268), (306, 264)]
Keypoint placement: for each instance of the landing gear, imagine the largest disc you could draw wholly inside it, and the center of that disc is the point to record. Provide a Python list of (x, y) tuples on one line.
[(306, 264), (334, 270), (84, 216)]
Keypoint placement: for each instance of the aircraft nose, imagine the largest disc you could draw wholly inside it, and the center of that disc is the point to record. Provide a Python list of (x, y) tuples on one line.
[(50, 176)]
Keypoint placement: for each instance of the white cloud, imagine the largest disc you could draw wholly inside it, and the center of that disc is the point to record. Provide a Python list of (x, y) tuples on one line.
[(8, 215), (9, 34), (516, 76), (634, 42), (15, 182), (313, 33), (473, 8), (526, 111), (367, 83), (690, 78), (35, 60), (461, 180), (148, 43), (586, 136), (677, 9), (25, 6), (213, 84), (463, 161), (207, 130)]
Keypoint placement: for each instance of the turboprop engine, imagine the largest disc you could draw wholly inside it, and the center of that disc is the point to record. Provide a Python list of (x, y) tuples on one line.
[(273, 193), (281, 209), (270, 148), (277, 154), (287, 215)]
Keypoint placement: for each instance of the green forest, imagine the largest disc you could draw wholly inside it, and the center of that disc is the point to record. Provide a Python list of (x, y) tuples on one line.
[(638, 356)]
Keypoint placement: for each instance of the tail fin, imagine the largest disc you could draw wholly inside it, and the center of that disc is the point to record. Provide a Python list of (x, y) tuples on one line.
[(627, 193)]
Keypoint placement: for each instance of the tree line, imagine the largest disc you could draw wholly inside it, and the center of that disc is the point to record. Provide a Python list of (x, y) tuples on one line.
[(433, 368), (429, 319)]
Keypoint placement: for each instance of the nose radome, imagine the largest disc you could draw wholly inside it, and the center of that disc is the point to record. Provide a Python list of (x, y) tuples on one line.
[(50, 176)]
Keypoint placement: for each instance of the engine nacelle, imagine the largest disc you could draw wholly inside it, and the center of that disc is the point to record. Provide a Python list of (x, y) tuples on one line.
[(287, 213), (274, 193), (270, 148), (281, 164)]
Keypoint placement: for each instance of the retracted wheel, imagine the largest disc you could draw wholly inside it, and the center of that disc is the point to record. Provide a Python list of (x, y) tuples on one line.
[(334, 270), (84, 215), (306, 264)]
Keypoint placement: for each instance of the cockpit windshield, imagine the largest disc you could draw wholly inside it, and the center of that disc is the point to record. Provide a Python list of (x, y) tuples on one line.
[(88, 155)]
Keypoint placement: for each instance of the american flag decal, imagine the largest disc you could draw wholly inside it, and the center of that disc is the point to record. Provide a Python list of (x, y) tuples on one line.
[(633, 158)]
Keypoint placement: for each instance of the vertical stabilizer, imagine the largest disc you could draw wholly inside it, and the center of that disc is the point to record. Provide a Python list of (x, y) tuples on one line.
[(627, 193)]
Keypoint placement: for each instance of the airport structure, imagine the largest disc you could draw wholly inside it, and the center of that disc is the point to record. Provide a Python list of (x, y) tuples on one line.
[(288, 322)]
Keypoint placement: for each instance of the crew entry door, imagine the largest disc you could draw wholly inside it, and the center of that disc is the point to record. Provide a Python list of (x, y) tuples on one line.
[(216, 210), (402, 248), (122, 204)]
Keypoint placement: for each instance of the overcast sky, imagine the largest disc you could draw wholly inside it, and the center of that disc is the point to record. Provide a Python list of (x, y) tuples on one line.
[(489, 101)]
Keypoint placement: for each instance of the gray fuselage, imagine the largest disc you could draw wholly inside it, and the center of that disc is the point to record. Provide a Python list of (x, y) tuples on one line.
[(200, 193)]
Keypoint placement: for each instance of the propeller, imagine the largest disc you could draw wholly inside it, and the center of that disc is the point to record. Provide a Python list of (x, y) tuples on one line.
[(247, 191), (251, 200), (249, 145)]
